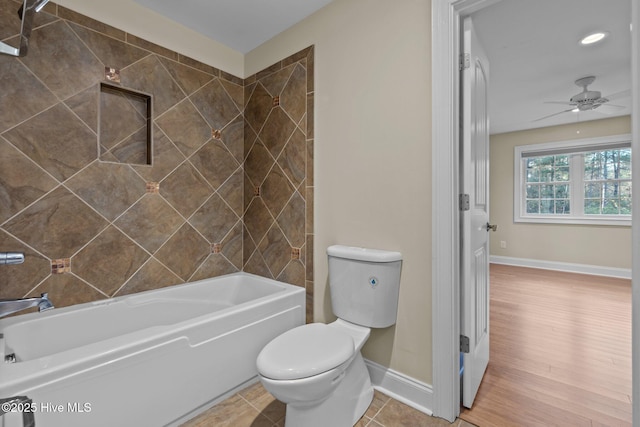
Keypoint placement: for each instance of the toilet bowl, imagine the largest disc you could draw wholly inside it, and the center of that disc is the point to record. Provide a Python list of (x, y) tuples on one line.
[(317, 369)]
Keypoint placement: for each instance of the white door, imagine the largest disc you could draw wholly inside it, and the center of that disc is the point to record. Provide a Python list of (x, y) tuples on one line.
[(474, 227)]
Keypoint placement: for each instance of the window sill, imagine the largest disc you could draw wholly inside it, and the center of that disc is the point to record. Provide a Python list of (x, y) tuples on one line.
[(607, 221)]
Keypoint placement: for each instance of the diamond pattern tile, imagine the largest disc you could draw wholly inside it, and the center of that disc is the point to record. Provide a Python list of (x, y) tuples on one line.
[(184, 252), (293, 159), (215, 162), (85, 105), (257, 219), (291, 221), (185, 127), (20, 84), (149, 76), (165, 158), (66, 289), (274, 83), (293, 99), (18, 280), (215, 104), (258, 107), (109, 188), (276, 131), (258, 164), (21, 182), (111, 52), (57, 225), (119, 238), (152, 275), (189, 79), (56, 140), (174, 189), (150, 222), (276, 191), (275, 250), (61, 61), (109, 260), (214, 219)]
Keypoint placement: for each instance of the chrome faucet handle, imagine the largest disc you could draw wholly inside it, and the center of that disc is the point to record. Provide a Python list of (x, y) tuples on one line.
[(45, 303), (11, 257)]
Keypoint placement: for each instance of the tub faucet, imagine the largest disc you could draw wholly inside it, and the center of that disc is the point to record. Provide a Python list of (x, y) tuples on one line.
[(11, 258), (10, 306), (22, 403)]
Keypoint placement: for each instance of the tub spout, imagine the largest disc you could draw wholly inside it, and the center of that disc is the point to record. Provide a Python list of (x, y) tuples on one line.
[(10, 306), (19, 404)]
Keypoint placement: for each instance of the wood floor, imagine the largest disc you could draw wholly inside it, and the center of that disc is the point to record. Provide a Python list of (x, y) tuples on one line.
[(560, 351)]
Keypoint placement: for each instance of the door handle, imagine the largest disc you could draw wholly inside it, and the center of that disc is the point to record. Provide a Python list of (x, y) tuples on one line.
[(492, 227)]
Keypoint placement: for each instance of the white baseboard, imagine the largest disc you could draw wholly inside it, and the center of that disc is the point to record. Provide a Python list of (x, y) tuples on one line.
[(597, 270), (401, 387)]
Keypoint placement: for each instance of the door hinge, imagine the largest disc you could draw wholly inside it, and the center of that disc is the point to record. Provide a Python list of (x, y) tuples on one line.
[(465, 61), (464, 202), (464, 344)]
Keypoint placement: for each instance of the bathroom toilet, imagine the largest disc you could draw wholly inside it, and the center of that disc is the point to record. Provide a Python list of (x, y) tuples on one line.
[(317, 369)]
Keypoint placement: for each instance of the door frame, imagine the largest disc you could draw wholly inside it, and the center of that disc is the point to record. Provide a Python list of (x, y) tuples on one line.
[(445, 16)]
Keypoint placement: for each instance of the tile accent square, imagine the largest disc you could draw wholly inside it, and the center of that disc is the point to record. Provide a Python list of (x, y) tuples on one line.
[(112, 74), (276, 101), (295, 253), (153, 187), (256, 191), (216, 133), (61, 266), (216, 248)]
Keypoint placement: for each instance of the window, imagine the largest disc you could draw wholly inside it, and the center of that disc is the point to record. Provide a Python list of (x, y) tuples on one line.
[(578, 182)]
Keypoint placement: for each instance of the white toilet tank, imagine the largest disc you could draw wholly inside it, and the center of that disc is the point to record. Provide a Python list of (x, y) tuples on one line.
[(364, 285)]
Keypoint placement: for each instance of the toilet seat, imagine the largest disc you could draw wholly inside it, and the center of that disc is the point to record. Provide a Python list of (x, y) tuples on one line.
[(305, 351)]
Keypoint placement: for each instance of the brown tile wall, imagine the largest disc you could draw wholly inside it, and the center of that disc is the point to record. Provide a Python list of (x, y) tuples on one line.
[(93, 229), (278, 179)]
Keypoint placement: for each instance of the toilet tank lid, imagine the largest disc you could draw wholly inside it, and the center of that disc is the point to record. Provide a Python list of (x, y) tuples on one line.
[(363, 254)]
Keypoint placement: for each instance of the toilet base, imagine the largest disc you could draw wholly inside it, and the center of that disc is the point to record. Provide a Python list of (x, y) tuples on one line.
[(343, 408)]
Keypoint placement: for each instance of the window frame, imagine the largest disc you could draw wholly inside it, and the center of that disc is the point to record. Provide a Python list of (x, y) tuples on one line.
[(576, 146)]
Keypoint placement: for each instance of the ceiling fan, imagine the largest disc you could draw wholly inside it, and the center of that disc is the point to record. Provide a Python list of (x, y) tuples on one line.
[(587, 100)]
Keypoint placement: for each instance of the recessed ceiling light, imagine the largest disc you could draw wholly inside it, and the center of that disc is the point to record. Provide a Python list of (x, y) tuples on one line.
[(594, 38)]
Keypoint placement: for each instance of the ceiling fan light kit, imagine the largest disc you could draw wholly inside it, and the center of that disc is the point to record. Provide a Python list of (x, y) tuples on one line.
[(586, 100)]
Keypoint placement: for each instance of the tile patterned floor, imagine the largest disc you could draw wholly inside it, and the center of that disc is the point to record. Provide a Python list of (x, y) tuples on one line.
[(255, 407)]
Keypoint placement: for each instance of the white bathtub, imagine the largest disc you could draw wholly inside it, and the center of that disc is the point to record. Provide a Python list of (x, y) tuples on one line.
[(151, 359)]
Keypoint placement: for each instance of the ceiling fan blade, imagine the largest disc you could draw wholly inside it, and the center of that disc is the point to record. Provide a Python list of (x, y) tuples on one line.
[(617, 107), (554, 114), (559, 102), (618, 95)]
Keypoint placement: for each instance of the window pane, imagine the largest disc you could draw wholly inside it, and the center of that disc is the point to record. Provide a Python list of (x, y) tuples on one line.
[(533, 207), (546, 191), (607, 176), (533, 191), (592, 206), (562, 191), (546, 206), (592, 190), (562, 173), (562, 207)]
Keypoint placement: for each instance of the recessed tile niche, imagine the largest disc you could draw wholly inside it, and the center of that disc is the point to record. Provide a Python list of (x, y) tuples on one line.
[(124, 125)]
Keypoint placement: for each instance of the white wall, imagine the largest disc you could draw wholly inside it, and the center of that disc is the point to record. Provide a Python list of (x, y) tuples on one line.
[(372, 153)]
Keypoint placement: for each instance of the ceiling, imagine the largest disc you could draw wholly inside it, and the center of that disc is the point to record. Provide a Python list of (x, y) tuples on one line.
[(241, 25), (535, 57), (532, 47)]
